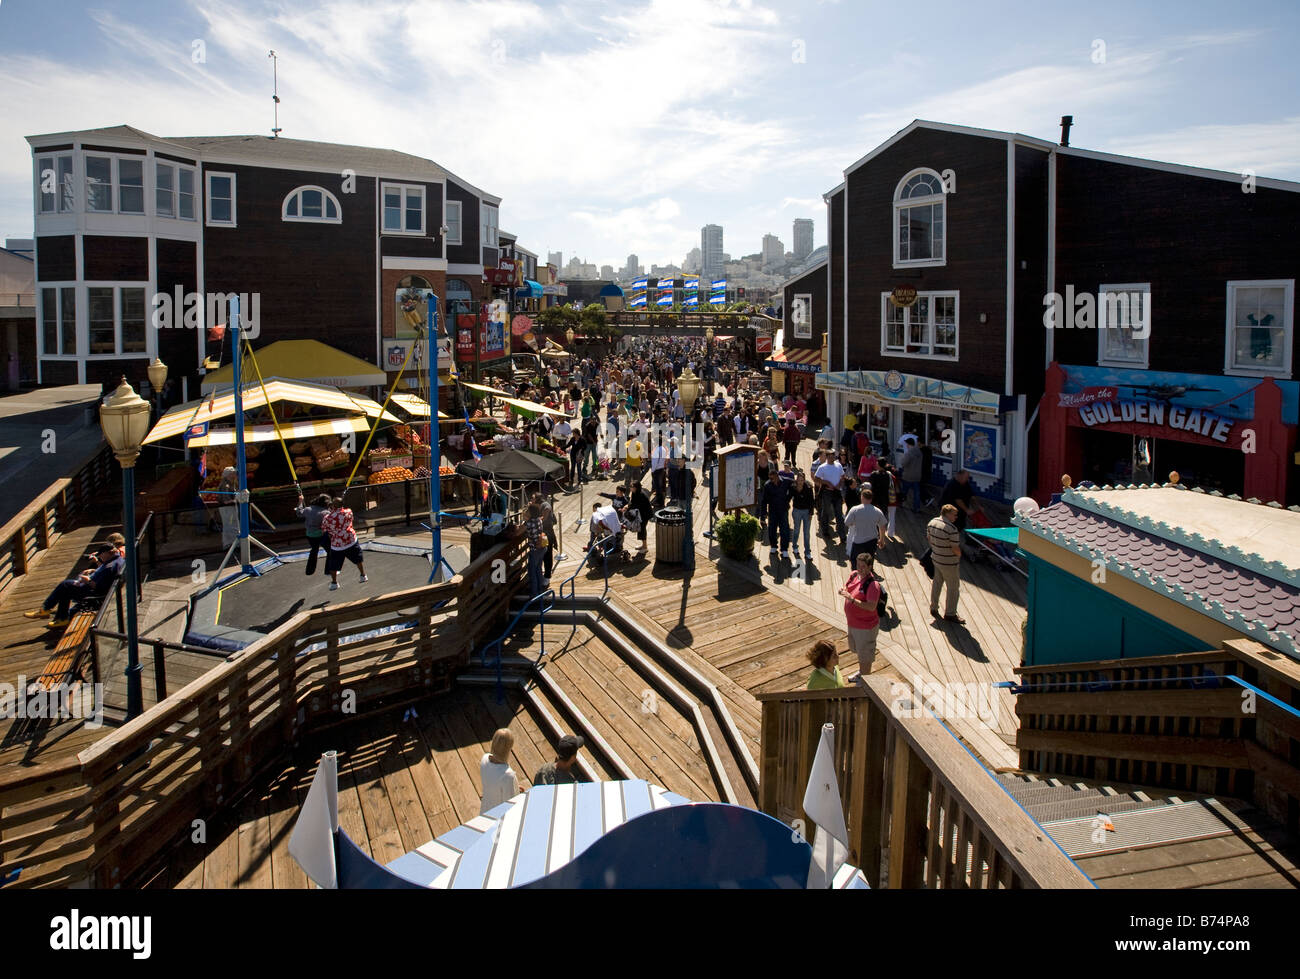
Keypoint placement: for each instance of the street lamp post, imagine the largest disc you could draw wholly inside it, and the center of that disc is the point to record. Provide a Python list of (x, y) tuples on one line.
[(124, 418)]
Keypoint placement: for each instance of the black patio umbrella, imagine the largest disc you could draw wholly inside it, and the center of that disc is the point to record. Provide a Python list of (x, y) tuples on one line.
[(513, 466)]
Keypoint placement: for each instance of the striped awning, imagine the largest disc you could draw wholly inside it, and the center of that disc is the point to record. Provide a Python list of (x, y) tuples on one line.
[(807, 360), (416, 406), (222, 405), (289, 431)]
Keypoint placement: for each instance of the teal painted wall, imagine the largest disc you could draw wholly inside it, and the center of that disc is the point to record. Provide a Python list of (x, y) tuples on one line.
[(1071, 620)]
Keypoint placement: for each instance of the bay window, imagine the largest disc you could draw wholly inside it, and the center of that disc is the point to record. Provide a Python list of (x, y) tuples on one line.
[(927, 328), (54, 181), (58, 321), (99, 183), (175, 191), (116, 319)]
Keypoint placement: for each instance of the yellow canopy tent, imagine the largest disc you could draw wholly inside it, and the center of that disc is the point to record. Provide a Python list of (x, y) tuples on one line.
[(222, 405), (288, 430), (304, 360)]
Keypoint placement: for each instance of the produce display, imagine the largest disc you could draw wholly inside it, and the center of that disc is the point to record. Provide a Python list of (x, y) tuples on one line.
[(394, 474), (328, 453)]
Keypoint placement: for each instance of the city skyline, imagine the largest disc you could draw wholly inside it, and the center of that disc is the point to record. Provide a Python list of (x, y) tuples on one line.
[(766, 105)]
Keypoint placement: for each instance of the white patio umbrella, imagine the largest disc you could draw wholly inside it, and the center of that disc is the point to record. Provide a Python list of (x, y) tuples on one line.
[(312, 842)]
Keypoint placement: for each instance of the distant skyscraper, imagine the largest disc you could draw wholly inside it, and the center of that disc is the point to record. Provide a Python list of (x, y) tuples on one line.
[(607, 272), (633, 266), (711, 254), (773, 251), (692, 261), (803, 238), (556, 259)]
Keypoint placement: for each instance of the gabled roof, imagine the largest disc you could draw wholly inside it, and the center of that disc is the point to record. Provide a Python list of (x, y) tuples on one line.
[(284, 152), (1050, 147), (1255, 591), (803, 274)]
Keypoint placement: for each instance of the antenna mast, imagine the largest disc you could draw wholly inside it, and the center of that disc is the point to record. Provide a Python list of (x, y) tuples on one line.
[(275, 89)]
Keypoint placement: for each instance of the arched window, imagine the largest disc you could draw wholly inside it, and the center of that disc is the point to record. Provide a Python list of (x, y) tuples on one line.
[(919, 219), (312, 204)]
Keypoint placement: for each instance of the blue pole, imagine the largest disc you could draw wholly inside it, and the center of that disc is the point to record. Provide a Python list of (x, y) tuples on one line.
[(245, 558), (134, 692), (435, 452)]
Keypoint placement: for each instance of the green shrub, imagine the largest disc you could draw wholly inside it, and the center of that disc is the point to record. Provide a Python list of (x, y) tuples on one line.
[(737, 533)]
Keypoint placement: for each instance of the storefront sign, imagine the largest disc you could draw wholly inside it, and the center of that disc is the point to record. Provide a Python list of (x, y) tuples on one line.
[(1176, 417), (499, 277), (1088, 396), (903, 296), (556, 289), (895, 387), (521, 325), (762, 344)]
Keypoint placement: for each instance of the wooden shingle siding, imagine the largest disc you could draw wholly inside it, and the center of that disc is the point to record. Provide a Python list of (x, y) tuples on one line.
[(330, 294), (1031, 277), (975, 247), (115, 258), (429, 245), (1188, 236), (467, 252), (835, 269), (56, 258), (814, 284)]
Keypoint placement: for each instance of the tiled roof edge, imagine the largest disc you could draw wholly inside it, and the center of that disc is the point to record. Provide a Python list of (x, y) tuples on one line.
[(1278, 639), (1212, 546)]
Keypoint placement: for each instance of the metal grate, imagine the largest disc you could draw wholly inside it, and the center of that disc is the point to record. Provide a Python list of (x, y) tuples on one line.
[(1165, 823)]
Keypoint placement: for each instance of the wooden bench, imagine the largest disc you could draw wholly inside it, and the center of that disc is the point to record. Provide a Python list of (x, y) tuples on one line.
[(63, 662)]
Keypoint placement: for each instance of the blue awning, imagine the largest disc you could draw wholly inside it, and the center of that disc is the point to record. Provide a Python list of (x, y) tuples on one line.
[(613, 289), (529, 290)]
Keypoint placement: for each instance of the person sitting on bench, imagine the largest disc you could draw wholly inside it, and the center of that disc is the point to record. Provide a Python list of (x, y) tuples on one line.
[(91, 583)]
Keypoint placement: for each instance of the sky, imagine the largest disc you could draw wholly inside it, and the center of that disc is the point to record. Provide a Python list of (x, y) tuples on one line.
[(612, 128)]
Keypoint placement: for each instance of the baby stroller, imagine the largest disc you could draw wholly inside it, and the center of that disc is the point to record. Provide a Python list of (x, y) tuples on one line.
[(611, 545)]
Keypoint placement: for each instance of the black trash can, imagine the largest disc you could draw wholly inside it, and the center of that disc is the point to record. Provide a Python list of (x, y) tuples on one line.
[(670, 534)]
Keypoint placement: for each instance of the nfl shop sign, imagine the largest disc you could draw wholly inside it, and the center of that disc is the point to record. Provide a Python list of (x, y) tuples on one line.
[(763, 345)]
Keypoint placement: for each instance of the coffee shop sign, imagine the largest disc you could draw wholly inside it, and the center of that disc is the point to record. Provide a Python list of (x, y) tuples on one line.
[(1193, 420)]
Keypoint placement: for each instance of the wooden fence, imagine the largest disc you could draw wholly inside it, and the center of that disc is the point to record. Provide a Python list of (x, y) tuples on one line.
[(52, 514), (1165, 721), (921, 810), (98, 819)]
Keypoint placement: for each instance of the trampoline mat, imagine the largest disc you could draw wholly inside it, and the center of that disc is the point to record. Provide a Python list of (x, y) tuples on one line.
[(241, 609)]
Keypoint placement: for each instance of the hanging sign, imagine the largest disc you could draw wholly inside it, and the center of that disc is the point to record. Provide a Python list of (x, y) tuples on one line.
[(903, 296)]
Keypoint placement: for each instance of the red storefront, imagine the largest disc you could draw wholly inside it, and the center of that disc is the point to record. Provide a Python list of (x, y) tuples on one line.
[(1233, 434)]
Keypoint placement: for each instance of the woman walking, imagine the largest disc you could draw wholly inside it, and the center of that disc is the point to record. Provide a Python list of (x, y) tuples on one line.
[(861, 593), (802, 506), (500, 784)]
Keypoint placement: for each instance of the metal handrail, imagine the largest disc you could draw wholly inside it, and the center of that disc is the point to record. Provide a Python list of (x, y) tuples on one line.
[(499, 641), (1207, 679), (573, 589)]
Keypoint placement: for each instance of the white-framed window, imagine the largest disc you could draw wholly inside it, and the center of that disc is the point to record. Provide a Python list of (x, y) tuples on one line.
[(453, 222), (403, 209), (488, 214), (174, 191), (54, 182), (801, 316), (58, 320), (311, 203), (114, 184), (220, 189), (927, 328), (99, 182), (1124, 324), (116, 319), (1260, 325), (920, 213)]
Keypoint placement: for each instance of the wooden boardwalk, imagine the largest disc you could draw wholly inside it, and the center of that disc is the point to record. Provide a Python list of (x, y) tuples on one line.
[(755, 621), (26, 646)]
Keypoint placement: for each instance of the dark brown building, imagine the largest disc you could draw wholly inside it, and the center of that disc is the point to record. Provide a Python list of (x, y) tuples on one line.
[(323, 241)]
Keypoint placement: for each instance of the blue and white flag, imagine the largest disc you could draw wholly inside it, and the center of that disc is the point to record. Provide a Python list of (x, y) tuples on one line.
[(638, 300), (665, 300), (473, 450), (719, 284), (691, 283), (640, 283), (692, 300), (718, 299)]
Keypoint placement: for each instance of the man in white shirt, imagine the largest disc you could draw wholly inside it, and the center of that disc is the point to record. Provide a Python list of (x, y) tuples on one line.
[(563, 430), (604, 522), (866, 526), (827, 479), (658, 474)]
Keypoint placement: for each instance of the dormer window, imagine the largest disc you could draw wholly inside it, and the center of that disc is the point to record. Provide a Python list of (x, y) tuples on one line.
[(919, 219), (312, 204)]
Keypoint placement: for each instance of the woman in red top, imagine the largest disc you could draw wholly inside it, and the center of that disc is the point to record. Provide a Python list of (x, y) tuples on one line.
[(861, 593)]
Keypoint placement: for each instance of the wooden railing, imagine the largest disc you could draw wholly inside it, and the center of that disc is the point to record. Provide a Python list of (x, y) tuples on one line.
[(47, 518), (98, 819), (1168, 722), (921, 810)]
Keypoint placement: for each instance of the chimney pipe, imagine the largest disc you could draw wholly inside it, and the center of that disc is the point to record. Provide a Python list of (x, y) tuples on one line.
[(1066, 123)]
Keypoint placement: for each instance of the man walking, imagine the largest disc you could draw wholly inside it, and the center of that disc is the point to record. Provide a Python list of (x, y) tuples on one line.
[(775, 503), (912, 472), (562, 770), (828, 479), (945, 543), (866, 526)]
